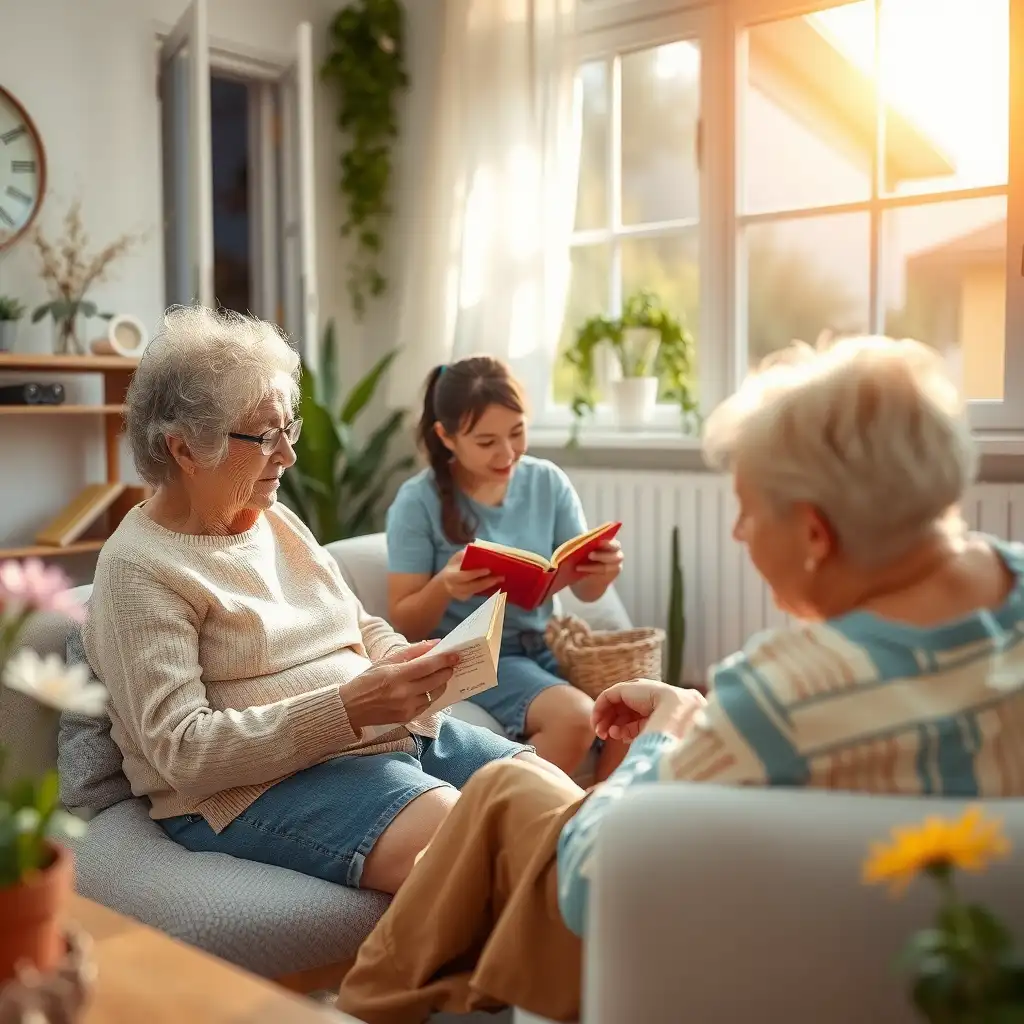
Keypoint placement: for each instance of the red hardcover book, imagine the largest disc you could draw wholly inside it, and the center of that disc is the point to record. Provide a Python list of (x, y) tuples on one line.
[(529, 579)]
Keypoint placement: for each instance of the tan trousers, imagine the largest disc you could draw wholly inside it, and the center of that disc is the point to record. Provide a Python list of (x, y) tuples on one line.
[(476, 925)]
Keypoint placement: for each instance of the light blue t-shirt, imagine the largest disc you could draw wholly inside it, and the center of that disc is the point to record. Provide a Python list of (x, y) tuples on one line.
[(541, 510)]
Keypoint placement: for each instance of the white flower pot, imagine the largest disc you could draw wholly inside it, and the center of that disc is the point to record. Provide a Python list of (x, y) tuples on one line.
[(634, 400), (7, 331)]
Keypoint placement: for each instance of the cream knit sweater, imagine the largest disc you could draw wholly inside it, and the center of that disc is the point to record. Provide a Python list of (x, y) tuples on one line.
[(226, 659)]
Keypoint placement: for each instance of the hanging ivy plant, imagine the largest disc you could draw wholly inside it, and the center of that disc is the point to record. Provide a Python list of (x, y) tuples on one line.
[(366, 65)]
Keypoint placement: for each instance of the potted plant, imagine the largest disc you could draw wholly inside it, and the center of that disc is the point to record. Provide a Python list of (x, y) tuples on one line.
[(36, 873), (11, 311), (655, 352), (69, 270), (338, 484)]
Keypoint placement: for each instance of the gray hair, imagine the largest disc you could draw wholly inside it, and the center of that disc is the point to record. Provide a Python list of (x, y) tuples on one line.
[(869, 430), (202, 374)]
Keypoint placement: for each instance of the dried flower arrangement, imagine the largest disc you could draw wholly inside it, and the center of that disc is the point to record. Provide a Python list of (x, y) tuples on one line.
[(69, 271)]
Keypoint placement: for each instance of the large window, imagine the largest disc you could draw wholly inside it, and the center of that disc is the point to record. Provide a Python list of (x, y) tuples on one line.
[(850, 169)]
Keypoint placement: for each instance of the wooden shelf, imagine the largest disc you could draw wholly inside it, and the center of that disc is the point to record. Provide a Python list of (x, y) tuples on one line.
[(26, 362), (80, 547), (61, 410)]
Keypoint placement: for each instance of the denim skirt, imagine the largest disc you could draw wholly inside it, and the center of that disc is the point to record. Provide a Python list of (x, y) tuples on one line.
[(323, 821)]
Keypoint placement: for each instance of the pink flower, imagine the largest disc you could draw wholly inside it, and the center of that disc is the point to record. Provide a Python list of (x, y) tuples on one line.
[(33, 586)]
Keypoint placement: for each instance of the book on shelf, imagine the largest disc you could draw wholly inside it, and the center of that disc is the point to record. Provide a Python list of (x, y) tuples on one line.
[(477, 640), (79, 514), (530, 579)]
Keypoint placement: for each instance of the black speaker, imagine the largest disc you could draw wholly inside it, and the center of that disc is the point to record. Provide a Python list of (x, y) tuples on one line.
[(32, 394)]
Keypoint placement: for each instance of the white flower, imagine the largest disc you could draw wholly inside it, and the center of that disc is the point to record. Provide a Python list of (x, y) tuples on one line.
[(49, 681), (67, 824), (387, 44), (26, 820)]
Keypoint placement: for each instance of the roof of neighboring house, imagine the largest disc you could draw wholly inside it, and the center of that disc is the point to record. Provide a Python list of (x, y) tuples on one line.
[(986, 244), (796, 65)]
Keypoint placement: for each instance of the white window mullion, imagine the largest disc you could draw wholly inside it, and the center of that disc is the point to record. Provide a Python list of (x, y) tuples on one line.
[(615, 183)]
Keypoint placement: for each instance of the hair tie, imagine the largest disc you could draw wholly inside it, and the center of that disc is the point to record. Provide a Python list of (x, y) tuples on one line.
[(440, 373)]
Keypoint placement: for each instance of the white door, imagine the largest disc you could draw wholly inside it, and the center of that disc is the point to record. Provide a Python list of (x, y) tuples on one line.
[(301, 298), (188, 171)]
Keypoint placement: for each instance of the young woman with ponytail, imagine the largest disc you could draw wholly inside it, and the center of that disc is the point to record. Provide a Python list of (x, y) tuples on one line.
[(480, 483)]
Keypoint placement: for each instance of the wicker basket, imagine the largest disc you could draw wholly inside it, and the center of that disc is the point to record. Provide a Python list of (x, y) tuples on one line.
[(594, 660)]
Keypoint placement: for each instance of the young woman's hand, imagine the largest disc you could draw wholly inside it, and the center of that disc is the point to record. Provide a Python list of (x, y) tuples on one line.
[(399, 687), (462, 584), (625, 710), (604, 562)]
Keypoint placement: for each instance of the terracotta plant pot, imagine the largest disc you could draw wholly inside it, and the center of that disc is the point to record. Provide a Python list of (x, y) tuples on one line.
[(31, 916)]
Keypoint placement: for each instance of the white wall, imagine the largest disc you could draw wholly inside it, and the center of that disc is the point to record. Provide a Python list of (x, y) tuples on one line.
[(86, 72)]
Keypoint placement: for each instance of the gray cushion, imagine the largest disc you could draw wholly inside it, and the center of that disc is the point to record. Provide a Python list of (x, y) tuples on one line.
[(268, 920), (89, 761)]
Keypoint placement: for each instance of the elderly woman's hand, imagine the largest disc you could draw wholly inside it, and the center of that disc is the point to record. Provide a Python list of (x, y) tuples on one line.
[(399, 687), (625, 710)]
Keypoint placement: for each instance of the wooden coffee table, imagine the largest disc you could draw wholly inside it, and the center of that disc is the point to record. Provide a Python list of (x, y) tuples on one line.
[(150, 978)]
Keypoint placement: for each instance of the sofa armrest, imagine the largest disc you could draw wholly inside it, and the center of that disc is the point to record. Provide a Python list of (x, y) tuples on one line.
[(723, 905)]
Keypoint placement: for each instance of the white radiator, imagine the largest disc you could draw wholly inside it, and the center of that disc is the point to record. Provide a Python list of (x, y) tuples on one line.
[(726, 601)]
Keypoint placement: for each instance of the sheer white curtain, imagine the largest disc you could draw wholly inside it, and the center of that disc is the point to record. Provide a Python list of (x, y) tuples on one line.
[(487, 264)]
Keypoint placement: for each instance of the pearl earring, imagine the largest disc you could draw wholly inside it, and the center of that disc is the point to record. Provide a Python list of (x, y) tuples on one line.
[(810, 566)]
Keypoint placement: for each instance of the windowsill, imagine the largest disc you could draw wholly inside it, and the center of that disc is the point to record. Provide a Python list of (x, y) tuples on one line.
[(609, 437), (603, 437)]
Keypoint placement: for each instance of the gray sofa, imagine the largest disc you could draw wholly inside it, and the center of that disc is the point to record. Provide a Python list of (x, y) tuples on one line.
[(273, 922)]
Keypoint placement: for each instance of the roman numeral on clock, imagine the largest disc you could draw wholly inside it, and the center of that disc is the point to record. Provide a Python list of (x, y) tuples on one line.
[(6, 217), (15, 133), (15, 193), (23, 166)]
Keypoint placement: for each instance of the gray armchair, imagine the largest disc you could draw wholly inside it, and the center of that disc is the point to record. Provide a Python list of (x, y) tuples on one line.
[(272, 921)]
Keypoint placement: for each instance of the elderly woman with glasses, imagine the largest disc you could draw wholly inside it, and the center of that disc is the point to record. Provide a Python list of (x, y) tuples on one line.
[(257, 705)]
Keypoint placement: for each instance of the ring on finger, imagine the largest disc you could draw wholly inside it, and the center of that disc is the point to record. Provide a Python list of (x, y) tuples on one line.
[(430, 699)]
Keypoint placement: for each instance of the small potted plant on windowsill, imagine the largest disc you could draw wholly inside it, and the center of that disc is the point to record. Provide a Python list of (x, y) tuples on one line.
[(11, 311), (36, 873), (655, 352)]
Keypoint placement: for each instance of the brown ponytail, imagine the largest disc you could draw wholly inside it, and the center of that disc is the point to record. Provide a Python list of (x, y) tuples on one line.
[(457, 396)]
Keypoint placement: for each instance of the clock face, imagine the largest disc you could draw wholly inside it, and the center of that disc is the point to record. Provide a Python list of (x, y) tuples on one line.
[(22, 170)]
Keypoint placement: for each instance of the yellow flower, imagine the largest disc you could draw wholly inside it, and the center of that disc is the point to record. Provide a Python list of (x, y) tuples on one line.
[(969, 844)]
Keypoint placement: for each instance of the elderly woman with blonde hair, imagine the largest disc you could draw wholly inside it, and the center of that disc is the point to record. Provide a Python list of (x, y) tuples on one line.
[(901, 673), (257, 705)]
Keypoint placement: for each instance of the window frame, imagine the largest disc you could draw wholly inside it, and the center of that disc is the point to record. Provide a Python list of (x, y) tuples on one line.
[(688, 24), (616, 26), (281, 158)]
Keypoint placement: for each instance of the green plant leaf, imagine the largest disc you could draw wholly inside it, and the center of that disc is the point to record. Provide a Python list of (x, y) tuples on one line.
[(360, 467), (48, 794), (328, 374), (87, 308), (41, 311), (360, 396)]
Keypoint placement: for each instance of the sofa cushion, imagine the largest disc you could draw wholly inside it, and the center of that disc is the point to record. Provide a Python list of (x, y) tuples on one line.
[(88, 759)]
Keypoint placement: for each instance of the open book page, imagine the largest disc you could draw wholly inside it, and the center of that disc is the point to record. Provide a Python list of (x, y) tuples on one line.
[(478, 641), (600, 533)]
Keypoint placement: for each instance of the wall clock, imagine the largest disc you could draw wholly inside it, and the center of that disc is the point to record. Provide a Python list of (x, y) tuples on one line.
[(22, 170)]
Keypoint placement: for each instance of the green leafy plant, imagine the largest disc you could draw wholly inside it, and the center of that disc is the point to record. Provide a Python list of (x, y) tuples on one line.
[(11, 308), (675, 634), (30, 811), (366, 65), (965, 968), (670, 357), (337, 483)]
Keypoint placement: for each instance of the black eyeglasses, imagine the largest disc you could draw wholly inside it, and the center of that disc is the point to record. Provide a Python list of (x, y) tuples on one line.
[(270, 439)]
